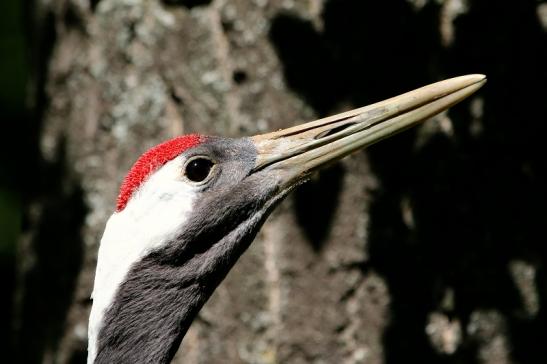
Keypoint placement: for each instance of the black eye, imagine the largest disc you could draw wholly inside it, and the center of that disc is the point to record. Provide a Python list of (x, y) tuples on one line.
[(198, 169)]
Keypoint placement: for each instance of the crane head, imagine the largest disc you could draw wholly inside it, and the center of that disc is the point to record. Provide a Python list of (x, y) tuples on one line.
[(191, 206)]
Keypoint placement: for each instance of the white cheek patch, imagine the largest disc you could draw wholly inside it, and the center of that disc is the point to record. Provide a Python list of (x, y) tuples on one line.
[(153, 217)]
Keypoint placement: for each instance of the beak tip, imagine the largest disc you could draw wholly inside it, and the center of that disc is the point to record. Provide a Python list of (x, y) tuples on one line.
[(476, 78), (306, 147)]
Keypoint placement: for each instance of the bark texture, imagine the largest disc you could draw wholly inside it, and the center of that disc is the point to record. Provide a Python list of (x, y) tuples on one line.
[(427, 248)]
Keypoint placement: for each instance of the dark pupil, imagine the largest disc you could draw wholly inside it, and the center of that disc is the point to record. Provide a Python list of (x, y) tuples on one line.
[(198, 169)]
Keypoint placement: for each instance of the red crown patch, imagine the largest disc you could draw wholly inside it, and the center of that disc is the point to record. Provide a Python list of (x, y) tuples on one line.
[(150, 161)]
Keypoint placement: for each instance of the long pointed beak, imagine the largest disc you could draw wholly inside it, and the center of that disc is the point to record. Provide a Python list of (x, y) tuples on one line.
[(297, 151)]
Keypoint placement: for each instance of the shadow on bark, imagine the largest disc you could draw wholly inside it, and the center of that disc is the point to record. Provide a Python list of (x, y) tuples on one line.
[(187, 3), (57, 249), (477, 196), (315, 203), (54, 214)]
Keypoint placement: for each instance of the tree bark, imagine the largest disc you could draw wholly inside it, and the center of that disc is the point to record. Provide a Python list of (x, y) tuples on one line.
[(356, 266)]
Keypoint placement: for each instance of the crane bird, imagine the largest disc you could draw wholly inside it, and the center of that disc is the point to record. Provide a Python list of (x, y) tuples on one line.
[(189, 208)]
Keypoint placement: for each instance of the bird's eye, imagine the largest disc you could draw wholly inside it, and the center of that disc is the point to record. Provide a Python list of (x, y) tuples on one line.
[(198, 169)]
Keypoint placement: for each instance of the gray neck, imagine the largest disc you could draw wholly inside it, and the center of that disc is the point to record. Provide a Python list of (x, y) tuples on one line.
[(163, 292), (149, 317)]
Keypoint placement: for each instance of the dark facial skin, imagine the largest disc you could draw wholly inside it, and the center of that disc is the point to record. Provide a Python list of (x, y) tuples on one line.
[(164, 291)]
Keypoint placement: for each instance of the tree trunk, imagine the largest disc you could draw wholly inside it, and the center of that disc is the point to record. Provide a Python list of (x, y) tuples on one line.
[(380, 259)]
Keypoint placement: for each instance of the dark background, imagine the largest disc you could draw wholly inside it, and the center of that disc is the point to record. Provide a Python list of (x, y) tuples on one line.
[(478, 192)]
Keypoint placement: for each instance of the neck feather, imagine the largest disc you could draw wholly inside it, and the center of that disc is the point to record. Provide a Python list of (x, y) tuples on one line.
[(163, 292), (150, 315)]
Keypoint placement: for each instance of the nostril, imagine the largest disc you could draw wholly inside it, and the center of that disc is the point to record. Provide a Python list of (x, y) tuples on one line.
[(335, 130)]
